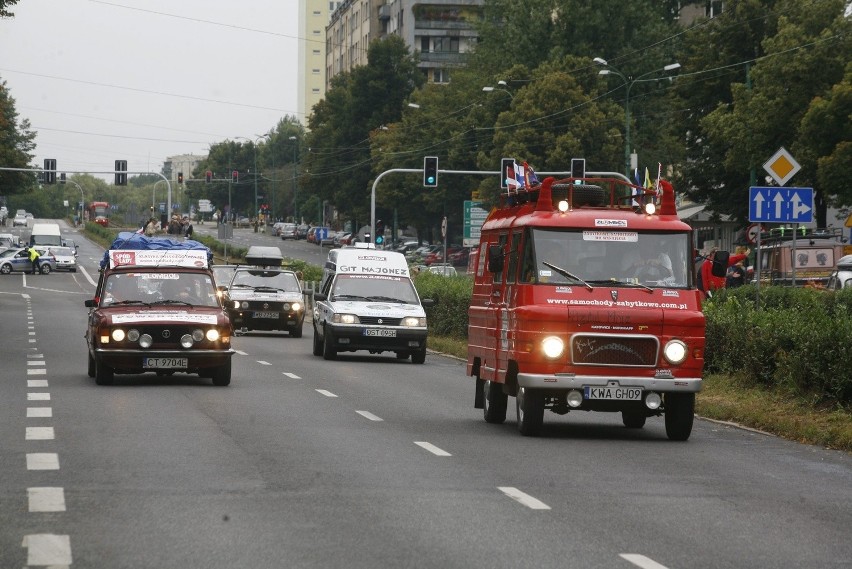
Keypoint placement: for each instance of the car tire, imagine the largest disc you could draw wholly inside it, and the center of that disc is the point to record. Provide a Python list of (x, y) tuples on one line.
[(104, 375), (6, 269), (296, 332), (529, 404), (45, 269), (419, 356), (328, 352), (91, 370), (633, 419), (221, 375), (494, 403), (679, 415), (317, 344)]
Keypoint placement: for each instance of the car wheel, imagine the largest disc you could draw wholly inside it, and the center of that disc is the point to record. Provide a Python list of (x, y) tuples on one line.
[(45, 269), (679, 414), (494, 402), (222, 375), (104, 375), (6, 269), (317, 344), (91, 370), (328, 352), (529, 405), (296, 332), (633, 420), (419, 356)]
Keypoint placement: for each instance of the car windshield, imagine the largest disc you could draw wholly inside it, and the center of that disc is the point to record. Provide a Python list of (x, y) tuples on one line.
[(159, 288), (62, 251), (285, 281), (364, 287)]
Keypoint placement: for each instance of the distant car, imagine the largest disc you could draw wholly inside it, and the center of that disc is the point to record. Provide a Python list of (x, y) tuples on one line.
[(71, 245), (66, 258), (301, 231), (20, 219), (287, 231), (223, 275), (18, 259), (443, 270), (8, 241)]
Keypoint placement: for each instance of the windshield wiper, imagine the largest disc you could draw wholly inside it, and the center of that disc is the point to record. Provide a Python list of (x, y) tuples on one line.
[(262, 287), (565, 273), (240, 285), (386, 299), (348, 297), (171, 301), (631, 284), (129, 302)]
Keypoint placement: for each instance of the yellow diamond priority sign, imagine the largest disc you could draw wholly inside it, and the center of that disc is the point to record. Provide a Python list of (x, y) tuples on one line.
[(782, 166)]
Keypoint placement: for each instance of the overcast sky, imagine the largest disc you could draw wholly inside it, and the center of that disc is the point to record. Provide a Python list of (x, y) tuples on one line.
[(141, 80)]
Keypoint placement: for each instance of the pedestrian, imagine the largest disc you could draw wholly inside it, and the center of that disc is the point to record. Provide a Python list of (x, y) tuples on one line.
[(34, 256), (711, 282), (151, 227), (189, 230)]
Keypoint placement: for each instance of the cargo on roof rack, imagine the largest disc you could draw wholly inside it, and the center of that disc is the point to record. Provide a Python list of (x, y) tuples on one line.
[(137, 249), (264, 256)]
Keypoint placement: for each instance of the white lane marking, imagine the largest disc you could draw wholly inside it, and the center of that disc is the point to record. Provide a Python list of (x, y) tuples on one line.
[(40, 434), (242, 353), (36, 363), (86, 274), (525, 499), (30, 327), (31, 333), (370, 416), (42, 461), (39, 411), (46, 499), (32, 341), (432, 448), (291, 375), (34, 356), (37, 371), (45, 549), (641, 561), (39, 396), (36, 383), (326, 393), (263, 363)]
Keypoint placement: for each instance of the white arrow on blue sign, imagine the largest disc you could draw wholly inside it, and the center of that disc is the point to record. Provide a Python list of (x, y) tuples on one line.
[(781, 205)]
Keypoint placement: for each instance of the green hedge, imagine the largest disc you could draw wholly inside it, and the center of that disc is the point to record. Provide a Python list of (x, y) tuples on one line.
[(449, 316)]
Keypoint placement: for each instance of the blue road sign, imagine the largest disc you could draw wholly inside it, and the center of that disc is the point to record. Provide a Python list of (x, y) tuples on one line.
[(322, 233), (781, 205)]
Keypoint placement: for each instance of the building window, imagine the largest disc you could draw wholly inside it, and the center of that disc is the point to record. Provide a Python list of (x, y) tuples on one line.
[(446, 44), (441, 76), (315, 71), (315, 91), (317, 52)]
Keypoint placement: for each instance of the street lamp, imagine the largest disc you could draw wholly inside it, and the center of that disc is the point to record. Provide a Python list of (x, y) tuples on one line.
[(295, 214), (490, 88), (628, 81)]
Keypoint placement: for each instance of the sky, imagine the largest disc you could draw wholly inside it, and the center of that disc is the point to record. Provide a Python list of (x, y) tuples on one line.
[(106, 80)]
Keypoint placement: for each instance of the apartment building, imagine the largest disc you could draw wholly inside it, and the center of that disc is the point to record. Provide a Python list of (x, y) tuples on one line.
[(313, 19)]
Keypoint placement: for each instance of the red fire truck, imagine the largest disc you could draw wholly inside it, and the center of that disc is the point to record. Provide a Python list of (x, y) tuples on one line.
[(99, 213), (584, 299)]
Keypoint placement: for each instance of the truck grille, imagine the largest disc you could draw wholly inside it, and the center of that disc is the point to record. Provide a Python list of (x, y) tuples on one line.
[(594, 349)]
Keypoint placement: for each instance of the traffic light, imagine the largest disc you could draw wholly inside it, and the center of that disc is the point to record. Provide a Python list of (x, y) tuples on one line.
[(180, 177), (578, 167), (430, 171), (235, 176), (208, 177), (121, 172), (62, 178), (506, 165), (49, 170), (380, 232)]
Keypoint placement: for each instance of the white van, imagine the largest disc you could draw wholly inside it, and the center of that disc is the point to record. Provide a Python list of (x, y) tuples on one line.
[(368, 302), (46, 234)]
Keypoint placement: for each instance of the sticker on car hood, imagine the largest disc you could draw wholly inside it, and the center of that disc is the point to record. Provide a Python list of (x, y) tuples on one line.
[(164, 317)]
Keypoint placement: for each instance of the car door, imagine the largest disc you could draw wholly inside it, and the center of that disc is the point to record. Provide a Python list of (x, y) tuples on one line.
[(21, 261)]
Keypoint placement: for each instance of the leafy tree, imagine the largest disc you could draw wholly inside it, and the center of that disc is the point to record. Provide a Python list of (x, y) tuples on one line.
[(16, 146), (4, 4)]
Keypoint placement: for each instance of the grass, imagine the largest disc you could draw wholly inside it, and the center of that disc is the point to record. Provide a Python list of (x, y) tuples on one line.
[(726, 398)]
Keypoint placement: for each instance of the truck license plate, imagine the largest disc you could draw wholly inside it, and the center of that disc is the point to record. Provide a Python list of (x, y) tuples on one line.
[(164, 363), (266, 315), (617, 393), (380, 333)]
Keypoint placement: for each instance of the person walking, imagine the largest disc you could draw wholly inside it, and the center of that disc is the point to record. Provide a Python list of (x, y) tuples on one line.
[(34, 256)]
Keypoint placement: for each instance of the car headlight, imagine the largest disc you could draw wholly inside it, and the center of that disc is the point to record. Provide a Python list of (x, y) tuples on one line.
[(145, 341), (186, 341), (236, 304), (197, 335), (118, 335), (245, 305), (413, 322), (552, 346), (675, 352), (212, 334), (295, 307), (133, 335), (346, 319)]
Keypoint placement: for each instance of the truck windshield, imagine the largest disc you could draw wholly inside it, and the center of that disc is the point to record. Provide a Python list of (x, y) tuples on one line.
[(375, 288), (652, 259)]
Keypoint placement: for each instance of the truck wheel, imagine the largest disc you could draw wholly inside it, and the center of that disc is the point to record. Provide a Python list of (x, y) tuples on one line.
[(45, 269), (328, 352), (679, 414), (91, 370), (529, 404), (222, 375), (633, 420), (494, 403), (419, 356), (317, 344), (104, 375), (296, 332)]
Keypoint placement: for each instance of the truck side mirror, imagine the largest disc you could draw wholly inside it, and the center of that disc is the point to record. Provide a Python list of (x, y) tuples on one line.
[(720, 264), (495, 259)]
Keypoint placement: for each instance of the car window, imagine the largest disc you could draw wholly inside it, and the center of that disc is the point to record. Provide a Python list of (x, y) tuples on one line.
[(131, 288), (363, 287), (284, 281)]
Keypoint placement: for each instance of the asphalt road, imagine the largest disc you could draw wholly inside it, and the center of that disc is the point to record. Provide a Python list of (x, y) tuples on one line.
[(368, 462)]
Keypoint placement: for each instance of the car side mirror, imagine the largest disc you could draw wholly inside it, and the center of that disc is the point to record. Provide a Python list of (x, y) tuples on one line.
[(89, 303), (428, 302), (495, 259), (720, 264), (319, 296)]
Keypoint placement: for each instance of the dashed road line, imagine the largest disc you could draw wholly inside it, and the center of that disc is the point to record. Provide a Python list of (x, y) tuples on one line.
[(432, 448), (38, 396), (36, 363), (36, 383), (46, 499), (42, 461), (39, 411), (326, 392), (523, 498), (37, 371), (291, 375), (263, 363), (242, 353), (40, 434), (45, 549), (641, 561), (370, 416)]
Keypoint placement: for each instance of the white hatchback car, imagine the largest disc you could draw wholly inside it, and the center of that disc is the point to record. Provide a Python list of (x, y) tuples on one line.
[(65, 258)]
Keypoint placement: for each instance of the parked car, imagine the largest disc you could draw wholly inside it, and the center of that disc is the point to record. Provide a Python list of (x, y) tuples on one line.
[(8, 241), (18, 259), (341, 238), (21, 219), (287, 231), (302, 231), (443, 270), (66, 258)]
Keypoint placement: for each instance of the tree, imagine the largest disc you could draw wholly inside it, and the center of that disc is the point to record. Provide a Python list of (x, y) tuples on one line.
[(4, 13), (16, 147)]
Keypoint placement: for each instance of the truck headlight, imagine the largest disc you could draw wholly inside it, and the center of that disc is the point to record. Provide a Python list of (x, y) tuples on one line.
[(552, 346), (675, 352)]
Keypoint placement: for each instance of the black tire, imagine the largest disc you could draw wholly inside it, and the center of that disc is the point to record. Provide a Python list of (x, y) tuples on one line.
[(584, 194), (45, 269), (328, 352), (419, 356), (6, 269), (529, 404), (679, 414), (633, 419), (317, 344), (296, 332), (221, 376), (91, 370), (104, 375), (494, 401)]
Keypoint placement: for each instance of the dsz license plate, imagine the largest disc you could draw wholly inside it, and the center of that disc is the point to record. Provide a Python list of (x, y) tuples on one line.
[(380, 333), (164, 363), (266, 315), (616, 393)]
